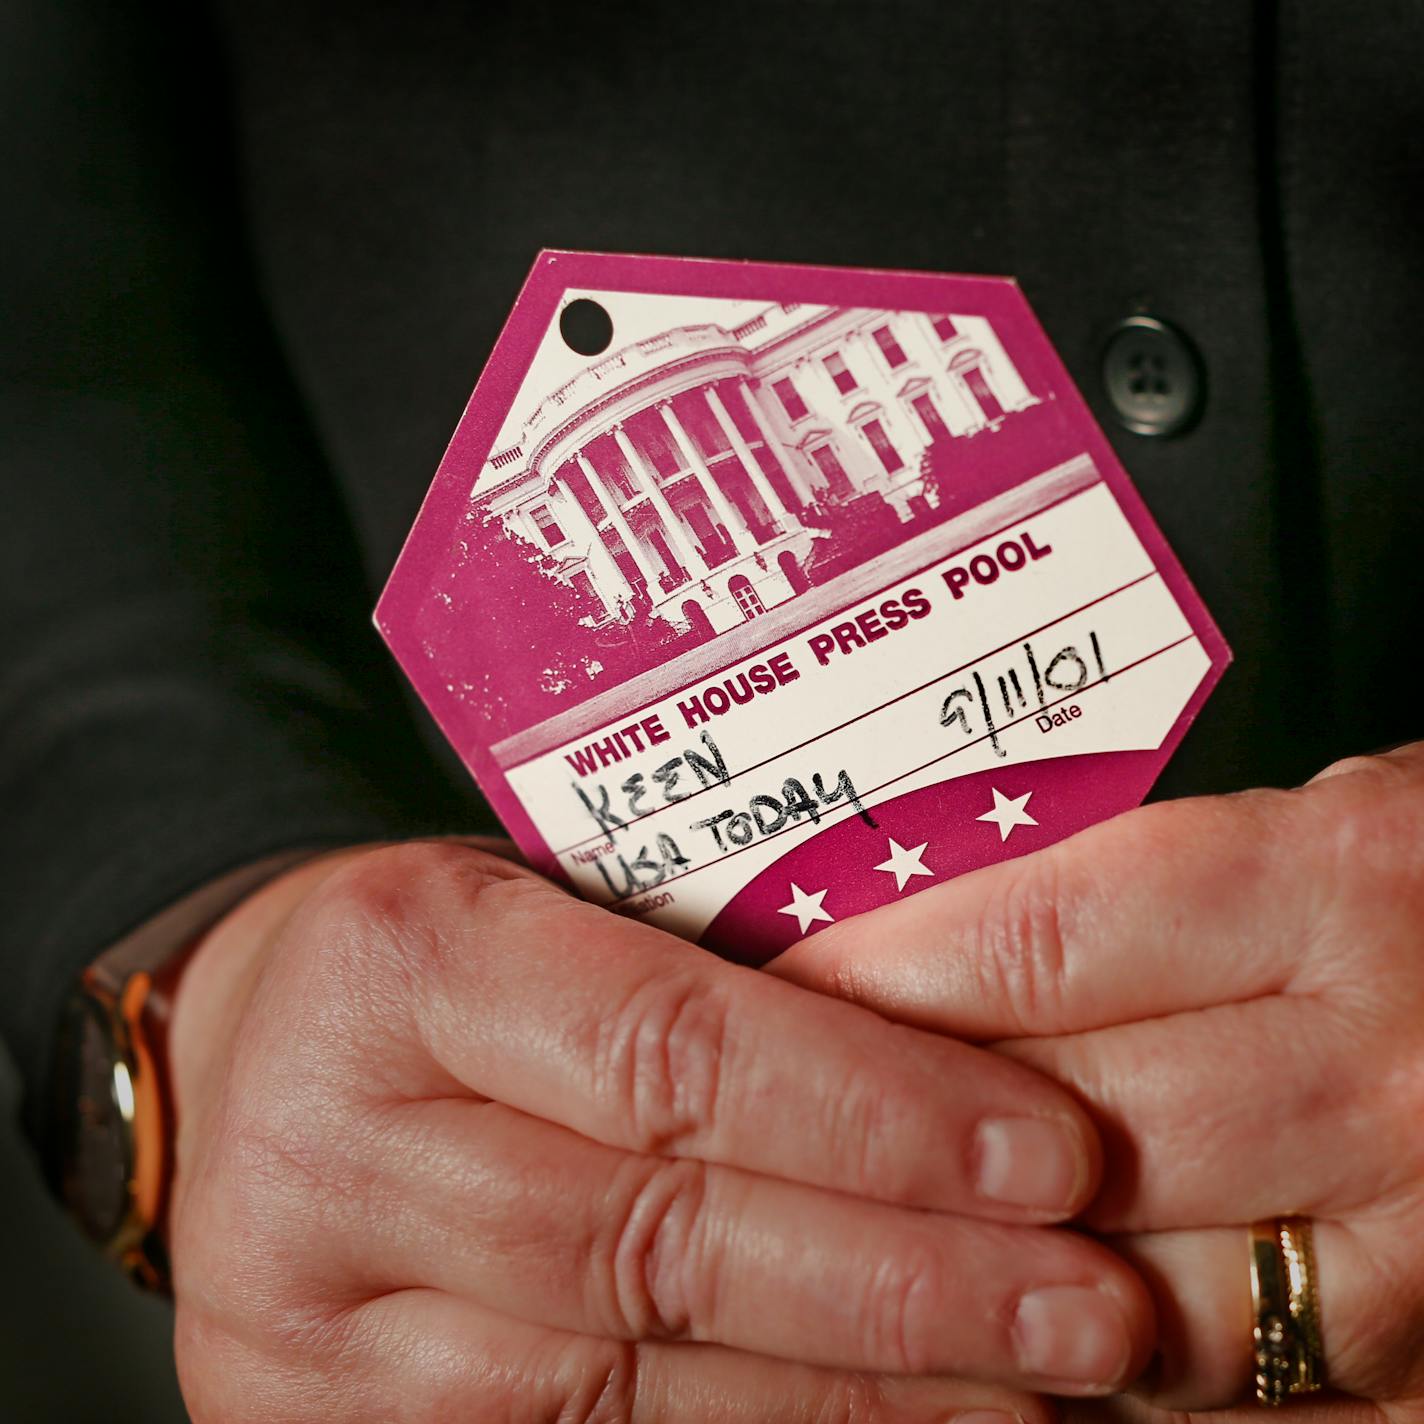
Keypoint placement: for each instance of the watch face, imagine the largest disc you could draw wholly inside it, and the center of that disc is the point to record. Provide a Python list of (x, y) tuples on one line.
[(94, 1116)]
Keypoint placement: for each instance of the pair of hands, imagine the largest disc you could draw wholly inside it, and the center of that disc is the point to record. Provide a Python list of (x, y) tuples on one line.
[(455, 1145)]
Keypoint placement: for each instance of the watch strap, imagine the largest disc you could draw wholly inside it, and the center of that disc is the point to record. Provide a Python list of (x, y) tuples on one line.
[(136, 980)]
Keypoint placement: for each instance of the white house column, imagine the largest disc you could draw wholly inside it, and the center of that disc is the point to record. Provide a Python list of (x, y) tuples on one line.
[(644, 475), (769, 497), (794, 476), (609, 503), (568, 505), (737, 531)]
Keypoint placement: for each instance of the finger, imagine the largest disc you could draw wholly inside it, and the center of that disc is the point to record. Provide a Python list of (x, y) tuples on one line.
[(1190, 1138), (1370, 1308), (500, 846), (520, 1215), (1172, 907), (1388, 765), (643, 1041), (430, 1356)]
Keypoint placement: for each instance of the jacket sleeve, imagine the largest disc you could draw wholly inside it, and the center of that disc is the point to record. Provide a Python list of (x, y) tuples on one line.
[(188, 677)]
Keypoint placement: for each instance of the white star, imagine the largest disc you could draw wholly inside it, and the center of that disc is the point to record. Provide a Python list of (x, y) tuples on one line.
[(1008, 813), (807, 908), (905, 863)]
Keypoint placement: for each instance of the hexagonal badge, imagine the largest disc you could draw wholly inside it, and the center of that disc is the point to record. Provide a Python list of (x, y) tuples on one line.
[(757, 596)]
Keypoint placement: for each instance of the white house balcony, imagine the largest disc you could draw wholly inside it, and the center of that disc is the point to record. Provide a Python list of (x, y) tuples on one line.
[(648, 370)]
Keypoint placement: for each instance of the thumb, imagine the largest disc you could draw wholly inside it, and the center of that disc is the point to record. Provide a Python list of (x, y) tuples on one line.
[(1170, 907)]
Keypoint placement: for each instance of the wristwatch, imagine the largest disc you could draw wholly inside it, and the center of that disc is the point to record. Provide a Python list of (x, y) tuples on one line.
[(112, 1148), (114, 1112)]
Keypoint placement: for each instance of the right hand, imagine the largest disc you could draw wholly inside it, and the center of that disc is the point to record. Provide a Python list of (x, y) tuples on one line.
[(453, 1144)]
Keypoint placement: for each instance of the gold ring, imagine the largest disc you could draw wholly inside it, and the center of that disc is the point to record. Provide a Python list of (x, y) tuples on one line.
[(1288, 1354)]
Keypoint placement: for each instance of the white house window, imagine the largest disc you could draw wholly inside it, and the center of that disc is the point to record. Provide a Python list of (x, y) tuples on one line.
[(839, 372), (548, 526), (887, 454), (790, 398), (890, 349), (930, 417), (973, 377), (747, 599), (944, 327), (828, 462)]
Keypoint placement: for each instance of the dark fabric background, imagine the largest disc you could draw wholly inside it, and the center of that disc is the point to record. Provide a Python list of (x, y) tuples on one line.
[(254, 258)]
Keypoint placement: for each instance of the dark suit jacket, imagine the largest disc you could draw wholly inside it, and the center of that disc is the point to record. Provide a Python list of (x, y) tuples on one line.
[(255, 258)]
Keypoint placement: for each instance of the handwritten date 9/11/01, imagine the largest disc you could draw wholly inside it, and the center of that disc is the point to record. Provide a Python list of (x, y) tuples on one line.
[(1065, 673)]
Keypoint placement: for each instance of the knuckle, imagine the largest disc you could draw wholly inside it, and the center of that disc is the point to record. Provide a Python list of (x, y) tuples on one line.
[(901, 1299), (398, 917), (1357, 765), (1021, 956), (661, 1057), (871, 1119), (1403, 763), (849, 1399), (386, 885), (658, 1280), (411, 881), (1364, 844), (1369, 795), (1350, 829), (606, 1389), (1371, 828)]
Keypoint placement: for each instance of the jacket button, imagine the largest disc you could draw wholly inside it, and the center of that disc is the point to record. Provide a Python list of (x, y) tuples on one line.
[(1153, 377)]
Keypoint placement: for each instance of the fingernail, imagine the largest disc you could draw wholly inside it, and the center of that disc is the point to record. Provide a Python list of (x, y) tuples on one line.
[(1071, 1335), (1029, 1161)]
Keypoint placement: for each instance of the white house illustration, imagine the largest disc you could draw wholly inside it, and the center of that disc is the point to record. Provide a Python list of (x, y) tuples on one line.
[(685, 471)]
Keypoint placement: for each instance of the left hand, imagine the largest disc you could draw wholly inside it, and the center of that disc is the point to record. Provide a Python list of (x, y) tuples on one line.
[(1236, 986)]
